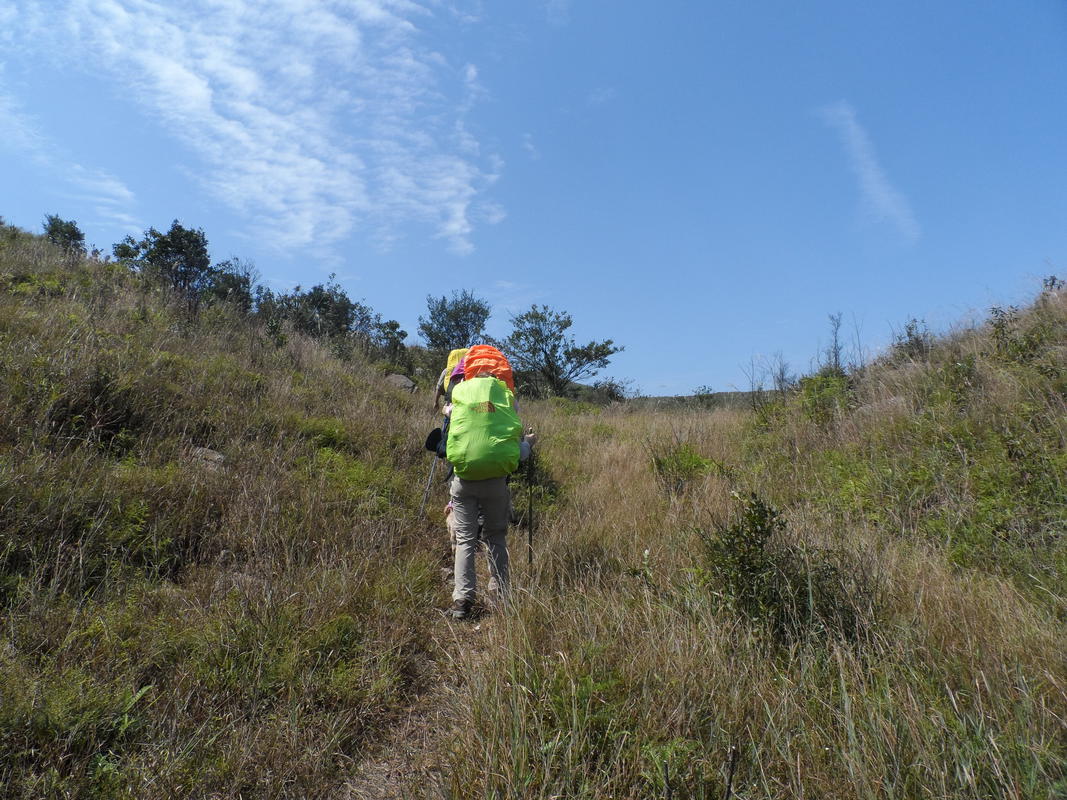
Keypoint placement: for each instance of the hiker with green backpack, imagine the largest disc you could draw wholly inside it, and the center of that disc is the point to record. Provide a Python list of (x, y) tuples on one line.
[(483, 440)]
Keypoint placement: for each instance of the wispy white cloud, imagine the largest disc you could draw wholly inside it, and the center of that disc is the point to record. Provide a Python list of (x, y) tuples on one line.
[(17, 130), (109, 198), (311, 118), (558, 11), (8, 14), (510, 298), (883, 199), (529, 146)]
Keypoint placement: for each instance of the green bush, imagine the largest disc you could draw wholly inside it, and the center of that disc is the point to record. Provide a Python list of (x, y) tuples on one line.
[(796, 592), (914, 343), (102, 409), (1015, 339), (825, 394), (678, 466)]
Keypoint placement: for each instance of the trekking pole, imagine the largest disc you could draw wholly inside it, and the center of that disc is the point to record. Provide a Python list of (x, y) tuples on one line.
[(530, 514), (730, 773), (429, 481)]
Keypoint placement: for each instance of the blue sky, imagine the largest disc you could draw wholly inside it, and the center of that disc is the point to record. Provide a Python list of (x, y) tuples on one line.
[(703, 182)]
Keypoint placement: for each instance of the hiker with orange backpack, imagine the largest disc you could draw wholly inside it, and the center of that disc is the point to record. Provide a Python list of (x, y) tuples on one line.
[(483, 439)]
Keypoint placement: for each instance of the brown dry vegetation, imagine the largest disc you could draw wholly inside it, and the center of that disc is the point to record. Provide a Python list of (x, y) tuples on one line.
[(859, 587), (920, 654)]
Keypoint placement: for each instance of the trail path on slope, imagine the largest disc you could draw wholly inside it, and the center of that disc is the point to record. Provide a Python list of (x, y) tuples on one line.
[(403, 763)]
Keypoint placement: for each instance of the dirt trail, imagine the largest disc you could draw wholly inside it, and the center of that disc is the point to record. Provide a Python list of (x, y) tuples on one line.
[(403, 764)]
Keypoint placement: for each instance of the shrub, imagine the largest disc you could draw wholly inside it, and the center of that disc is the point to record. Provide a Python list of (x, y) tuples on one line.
[(795, 591), (825, 394), (1015, 338), (914, 343), (678, 466), (101, 409)]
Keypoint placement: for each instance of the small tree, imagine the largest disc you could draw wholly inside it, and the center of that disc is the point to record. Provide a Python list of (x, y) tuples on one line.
[(178, 257), (782, 377), (456, 322), (64, 234), (540, 347), (389, 342), (614, 390), (704, 396), (325, 311), (833, 363), (231, 282)]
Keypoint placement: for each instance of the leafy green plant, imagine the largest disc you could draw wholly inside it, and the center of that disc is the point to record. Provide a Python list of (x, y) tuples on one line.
[(797, 592), (677, 466), (1012, 339), (914, 343), (825, 394)]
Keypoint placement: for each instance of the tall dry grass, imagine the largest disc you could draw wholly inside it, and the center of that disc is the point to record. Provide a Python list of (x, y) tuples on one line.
[(928, 494)]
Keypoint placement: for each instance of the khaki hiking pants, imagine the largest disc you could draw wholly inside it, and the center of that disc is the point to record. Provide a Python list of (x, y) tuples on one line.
[(490, 500)]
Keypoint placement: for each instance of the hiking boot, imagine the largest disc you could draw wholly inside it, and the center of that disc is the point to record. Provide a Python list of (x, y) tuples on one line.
[(460, 609)]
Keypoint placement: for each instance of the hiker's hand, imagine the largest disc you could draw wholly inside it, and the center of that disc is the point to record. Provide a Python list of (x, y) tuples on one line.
[(531, 438)]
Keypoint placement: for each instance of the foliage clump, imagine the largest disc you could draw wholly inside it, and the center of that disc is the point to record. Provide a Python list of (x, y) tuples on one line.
[(825, 394), (458, 321), (64, 234), (795, 591), (326, 312), (678, 466)]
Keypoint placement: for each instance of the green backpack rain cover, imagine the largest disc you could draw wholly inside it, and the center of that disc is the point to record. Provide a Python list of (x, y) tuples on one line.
[(484, 432)]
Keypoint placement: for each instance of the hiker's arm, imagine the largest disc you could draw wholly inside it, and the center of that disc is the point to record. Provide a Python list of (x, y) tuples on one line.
[(526, 445), (442, 445)]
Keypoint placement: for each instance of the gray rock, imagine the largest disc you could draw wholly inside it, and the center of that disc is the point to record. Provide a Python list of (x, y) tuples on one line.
[(402, 382), (211, 460)]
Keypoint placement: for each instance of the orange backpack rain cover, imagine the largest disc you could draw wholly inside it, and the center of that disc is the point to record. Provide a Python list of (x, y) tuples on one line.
[(483, 359)]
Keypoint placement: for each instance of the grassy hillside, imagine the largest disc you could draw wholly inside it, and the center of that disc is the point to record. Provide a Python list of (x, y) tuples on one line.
[(859, 591), (215, 581), (213, 575)]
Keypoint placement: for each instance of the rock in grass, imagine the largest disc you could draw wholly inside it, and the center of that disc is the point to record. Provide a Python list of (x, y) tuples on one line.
[(208, 459), (402, 382)]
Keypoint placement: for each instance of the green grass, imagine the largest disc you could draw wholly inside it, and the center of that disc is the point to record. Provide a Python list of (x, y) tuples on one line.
[(176, 625)]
